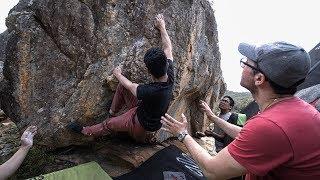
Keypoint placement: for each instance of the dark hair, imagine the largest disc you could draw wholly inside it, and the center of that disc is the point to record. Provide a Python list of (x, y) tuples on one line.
[(282, 90), (230, 99), (156, 62), (279, 89)]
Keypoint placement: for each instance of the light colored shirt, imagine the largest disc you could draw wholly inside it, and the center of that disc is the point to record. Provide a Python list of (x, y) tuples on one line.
[(218, 130)]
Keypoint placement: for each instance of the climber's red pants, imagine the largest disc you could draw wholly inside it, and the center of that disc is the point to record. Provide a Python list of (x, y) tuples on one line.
[(127, 122)]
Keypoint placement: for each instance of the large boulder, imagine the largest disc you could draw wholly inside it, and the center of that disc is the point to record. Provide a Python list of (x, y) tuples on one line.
[(311, 95), (313, 77), (60, 55), (3, 40), (309, 90)]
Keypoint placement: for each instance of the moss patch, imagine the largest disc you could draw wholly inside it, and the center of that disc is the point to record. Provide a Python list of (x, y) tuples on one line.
[(34, 164)]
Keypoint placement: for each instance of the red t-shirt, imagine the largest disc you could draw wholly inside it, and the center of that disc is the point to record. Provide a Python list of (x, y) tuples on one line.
[(283, 142)]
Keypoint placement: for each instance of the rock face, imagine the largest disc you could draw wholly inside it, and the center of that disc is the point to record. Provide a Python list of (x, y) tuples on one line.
[(3, 40), (314, 74), (309, 90), (59, 57)]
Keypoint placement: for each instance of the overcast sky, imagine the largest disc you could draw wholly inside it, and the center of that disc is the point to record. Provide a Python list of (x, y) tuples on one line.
[(252, 21), (5, 6), (262, 21)]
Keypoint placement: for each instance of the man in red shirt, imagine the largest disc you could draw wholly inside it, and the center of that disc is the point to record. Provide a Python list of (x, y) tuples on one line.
[(282, 141)]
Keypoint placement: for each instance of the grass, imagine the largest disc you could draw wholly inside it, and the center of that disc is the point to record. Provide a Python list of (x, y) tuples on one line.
[(34, 164)]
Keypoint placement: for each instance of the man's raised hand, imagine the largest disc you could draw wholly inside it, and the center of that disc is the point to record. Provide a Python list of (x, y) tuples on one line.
[(159, 22), (27, 137), (117, 71), (206, 109), (174, 126)]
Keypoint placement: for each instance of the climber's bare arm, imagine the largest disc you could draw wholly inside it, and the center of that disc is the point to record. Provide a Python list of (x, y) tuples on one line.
[(8, 168), (166, 42), (132, 87)]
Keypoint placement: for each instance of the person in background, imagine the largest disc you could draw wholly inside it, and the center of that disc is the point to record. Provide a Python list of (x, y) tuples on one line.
[(221, 138)]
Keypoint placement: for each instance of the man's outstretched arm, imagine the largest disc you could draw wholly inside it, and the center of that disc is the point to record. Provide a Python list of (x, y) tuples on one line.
[(230, 129), (132, 87), (166, 42), (221, 166), (214, 134), (8, 168)]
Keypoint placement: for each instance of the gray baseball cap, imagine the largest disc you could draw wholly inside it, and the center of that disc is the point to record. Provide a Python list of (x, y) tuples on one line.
[(283, 63)]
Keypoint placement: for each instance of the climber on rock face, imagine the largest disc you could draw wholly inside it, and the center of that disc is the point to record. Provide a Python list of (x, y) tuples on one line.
[(146, 103)]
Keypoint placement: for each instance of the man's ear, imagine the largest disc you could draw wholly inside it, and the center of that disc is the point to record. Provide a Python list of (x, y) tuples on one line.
[(259, 79)]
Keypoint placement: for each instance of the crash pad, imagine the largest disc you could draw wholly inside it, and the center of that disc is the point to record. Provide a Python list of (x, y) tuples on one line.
[(91, 170)]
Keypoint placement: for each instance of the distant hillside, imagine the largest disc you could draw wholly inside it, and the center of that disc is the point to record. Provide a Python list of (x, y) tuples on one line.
[(242, 99)]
